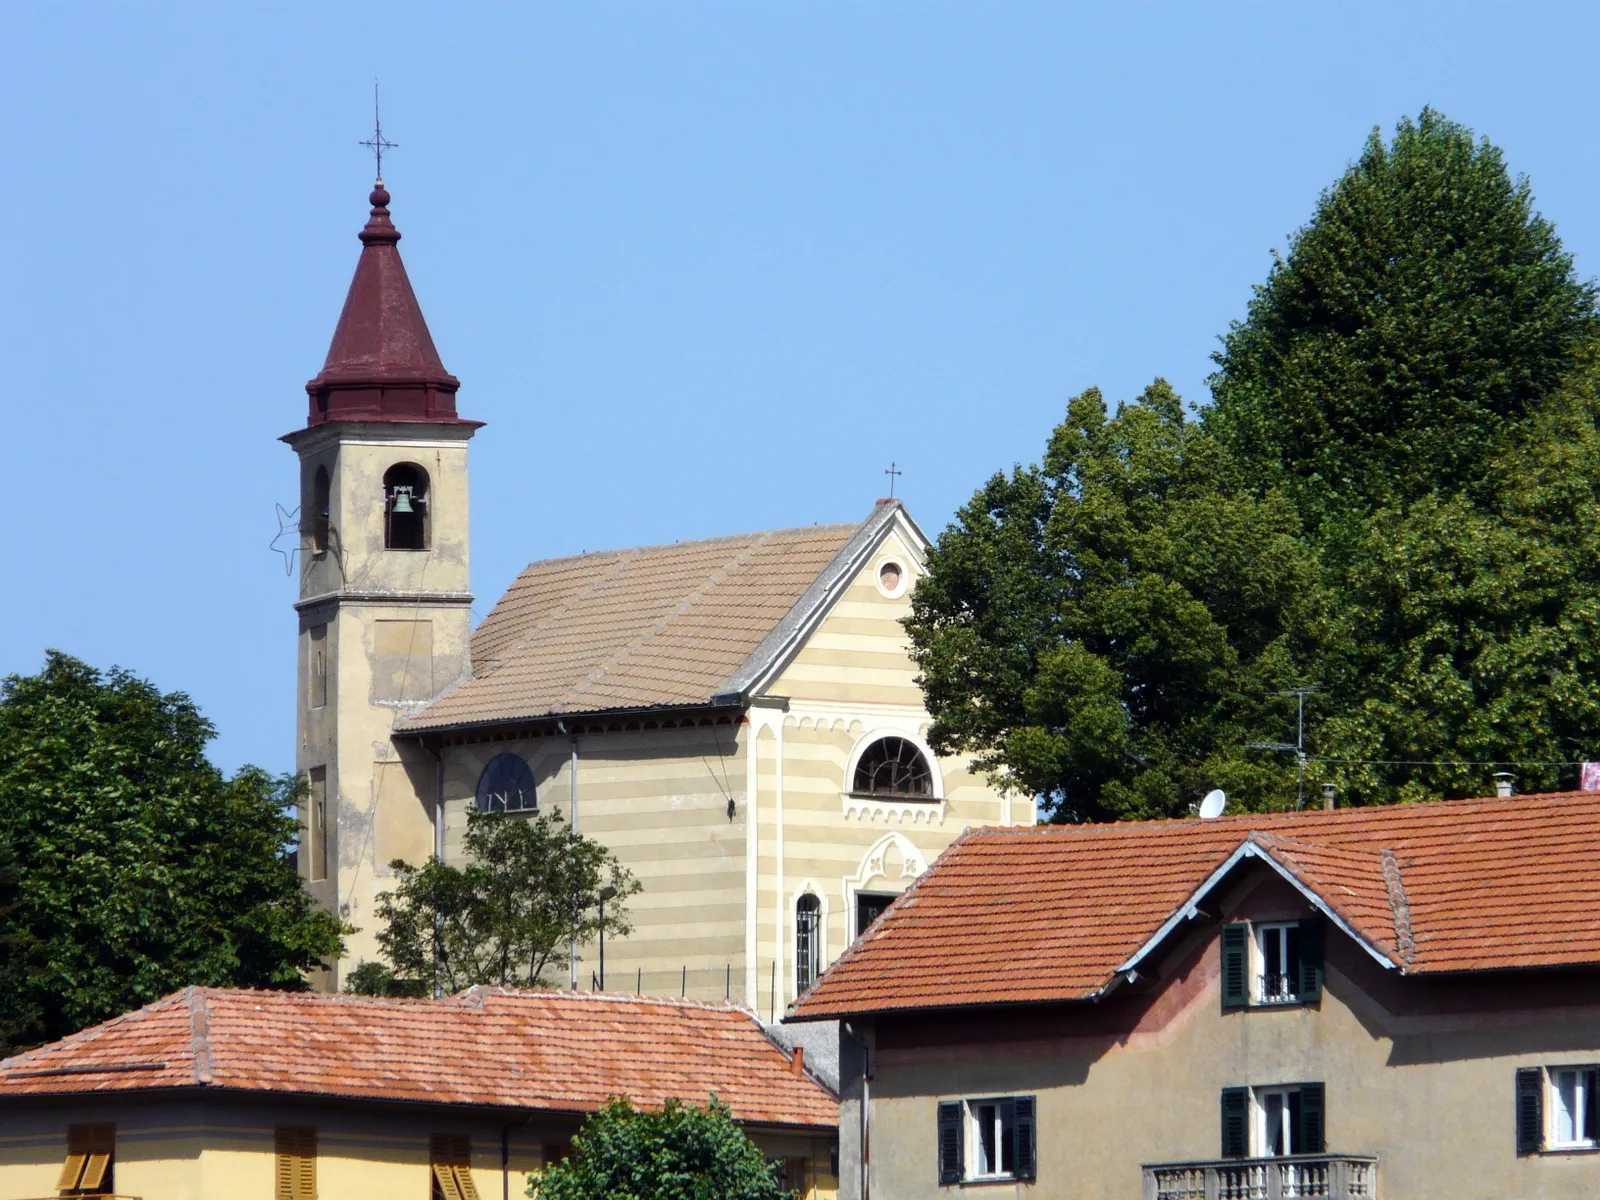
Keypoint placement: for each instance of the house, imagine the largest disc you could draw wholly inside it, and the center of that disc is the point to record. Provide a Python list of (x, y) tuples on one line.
[(1397, 1002), (219, 1094), (737, 719)]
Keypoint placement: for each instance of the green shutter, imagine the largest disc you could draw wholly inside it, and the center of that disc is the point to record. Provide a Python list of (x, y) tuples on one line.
[(1530, 1110), (1310, 1134), (951, 1167), (1235, 965), (1025, 1138), (1308, 988), (1235, 1122)]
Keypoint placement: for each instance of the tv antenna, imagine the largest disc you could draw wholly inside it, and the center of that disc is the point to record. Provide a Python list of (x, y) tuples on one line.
[(1296, 747), (378, 143)]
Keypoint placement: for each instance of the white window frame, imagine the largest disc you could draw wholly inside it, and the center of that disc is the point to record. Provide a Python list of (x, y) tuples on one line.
[(1002, 1105), (1278, 930), (1585, 1078), (1259, 1132)]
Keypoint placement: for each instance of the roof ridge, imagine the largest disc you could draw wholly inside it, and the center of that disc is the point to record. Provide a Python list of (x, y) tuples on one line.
[(565, 996), (691, 543), (200, 1033), (1401, 904), (720, 575)]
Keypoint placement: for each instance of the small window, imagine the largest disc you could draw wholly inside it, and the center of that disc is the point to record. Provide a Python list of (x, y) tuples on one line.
[(1558, 1108), (450, 1163), (869, 907), (321, 510), (892, 766), (506, 785), (296, 1174), (405, 507), (1272, 1122), (316, 825), (986, 1140), (807, 941), (1277, 963), (317, 665), (91, 1161), (797, 1176)]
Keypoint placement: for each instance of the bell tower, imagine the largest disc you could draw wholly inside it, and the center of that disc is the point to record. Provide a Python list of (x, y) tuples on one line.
[(384, 607)]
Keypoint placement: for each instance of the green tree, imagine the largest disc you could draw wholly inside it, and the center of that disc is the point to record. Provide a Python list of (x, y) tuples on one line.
[(1109, 629), (1417, 321), (137, 867), (678, 1153), (502, 917)]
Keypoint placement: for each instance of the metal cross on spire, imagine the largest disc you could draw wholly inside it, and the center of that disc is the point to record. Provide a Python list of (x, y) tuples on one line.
[(378, 143), (893, 473)]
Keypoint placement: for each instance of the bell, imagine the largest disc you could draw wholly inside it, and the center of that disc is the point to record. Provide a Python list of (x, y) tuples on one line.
[(402, 500)]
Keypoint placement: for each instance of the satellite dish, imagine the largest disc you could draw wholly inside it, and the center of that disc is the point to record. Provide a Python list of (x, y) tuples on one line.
[(1216, 800)]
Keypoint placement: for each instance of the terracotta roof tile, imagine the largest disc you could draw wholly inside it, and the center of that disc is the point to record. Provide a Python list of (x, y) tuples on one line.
[(560, 1051), (656, 626), (1051, 913)]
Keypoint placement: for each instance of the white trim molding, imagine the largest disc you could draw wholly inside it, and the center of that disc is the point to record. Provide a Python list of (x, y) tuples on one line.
[(874, 867)]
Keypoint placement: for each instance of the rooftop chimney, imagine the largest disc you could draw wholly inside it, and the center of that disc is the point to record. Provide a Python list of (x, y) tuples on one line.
[(1328, 794), (797, 1064), (1504, 783)]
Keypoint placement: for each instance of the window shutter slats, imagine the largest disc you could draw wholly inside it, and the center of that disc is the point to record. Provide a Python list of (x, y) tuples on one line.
[(1308, 988), (1312, 1135), (71, 1170), (296, 1175), (1235, 1117), (950, 1157), (94, 1171), (1025, 1138), (1530, 1110), (1235, 965)]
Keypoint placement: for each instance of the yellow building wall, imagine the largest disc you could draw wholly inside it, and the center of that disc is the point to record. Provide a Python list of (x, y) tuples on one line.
[(194, 1150)]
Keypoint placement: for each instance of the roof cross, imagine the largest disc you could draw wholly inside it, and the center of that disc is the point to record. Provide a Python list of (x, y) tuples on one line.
[(893, 473), (378, 143)]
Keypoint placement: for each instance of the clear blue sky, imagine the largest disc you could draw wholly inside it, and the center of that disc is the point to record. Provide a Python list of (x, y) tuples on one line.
[(702, 267)]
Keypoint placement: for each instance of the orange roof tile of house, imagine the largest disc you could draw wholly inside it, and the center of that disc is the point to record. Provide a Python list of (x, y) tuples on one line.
[(653, 627), (553, 1051), (1056, 913)]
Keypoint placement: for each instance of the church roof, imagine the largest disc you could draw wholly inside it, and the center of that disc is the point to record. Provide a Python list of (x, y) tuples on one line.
[(382, 364), (691, 623), (485, 1047)]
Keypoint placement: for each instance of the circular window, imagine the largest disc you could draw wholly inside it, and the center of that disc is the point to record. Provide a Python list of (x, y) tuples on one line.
[(892, 578), (506, 785), (892, 766)]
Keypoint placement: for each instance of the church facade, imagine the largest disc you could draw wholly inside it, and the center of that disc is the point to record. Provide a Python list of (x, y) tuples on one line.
[(737, 719)]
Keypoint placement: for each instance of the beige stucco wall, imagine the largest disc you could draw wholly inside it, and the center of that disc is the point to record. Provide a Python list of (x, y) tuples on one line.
[(397, 629), (1429, 1091), (196, 1150)]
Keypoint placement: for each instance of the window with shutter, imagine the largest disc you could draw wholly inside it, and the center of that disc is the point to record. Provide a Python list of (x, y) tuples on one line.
[(1530, 1110), (89, 1166), (450, 1161), (1235, 965), (1310, 1137), (1308, 989), (1235, 1122), (296, 1177), (951, 1158)]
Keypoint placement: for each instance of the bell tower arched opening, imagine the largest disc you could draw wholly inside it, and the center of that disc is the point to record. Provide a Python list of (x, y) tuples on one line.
[(405, 507)]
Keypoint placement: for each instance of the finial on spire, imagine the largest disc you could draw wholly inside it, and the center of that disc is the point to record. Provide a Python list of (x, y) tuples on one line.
[(378, 144)]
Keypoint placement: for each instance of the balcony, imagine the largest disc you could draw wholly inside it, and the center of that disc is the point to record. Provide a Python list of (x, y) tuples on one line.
[(1292, 1177)]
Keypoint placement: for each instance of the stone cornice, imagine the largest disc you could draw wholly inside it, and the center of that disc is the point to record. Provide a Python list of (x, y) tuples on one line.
[(381, 599)]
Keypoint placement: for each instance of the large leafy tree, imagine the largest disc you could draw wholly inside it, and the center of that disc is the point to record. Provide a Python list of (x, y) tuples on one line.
[(677, 1153), (528, 883), (129, 865), (1109, 629), (1416, 323)]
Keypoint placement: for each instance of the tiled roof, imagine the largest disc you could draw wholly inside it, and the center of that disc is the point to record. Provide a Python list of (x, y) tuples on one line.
[(557, 1051), (1054, 912), (652, 627)]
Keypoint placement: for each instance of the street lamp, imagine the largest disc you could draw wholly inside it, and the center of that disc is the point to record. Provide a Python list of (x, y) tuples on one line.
[(606, 893)]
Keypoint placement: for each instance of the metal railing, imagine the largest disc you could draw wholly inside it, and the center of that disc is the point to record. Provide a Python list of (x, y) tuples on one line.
[(1291, 1177)]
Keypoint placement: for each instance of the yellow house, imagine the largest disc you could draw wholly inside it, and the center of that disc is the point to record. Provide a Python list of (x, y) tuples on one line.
[(738, 719), (219, 1094)]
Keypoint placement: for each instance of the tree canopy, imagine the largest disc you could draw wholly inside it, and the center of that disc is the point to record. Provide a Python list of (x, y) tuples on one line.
[(1109, 629), (502, 917), (678, 1153), (130, 866)]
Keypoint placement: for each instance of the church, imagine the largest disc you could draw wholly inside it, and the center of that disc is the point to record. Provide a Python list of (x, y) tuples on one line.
[(736, 719)]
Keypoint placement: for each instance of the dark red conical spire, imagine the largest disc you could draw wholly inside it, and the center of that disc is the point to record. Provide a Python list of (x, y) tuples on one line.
[(382, 365)]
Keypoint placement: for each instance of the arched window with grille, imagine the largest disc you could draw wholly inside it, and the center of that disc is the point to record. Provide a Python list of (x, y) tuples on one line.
[(807, 941), (506, 785), (893, 766)]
